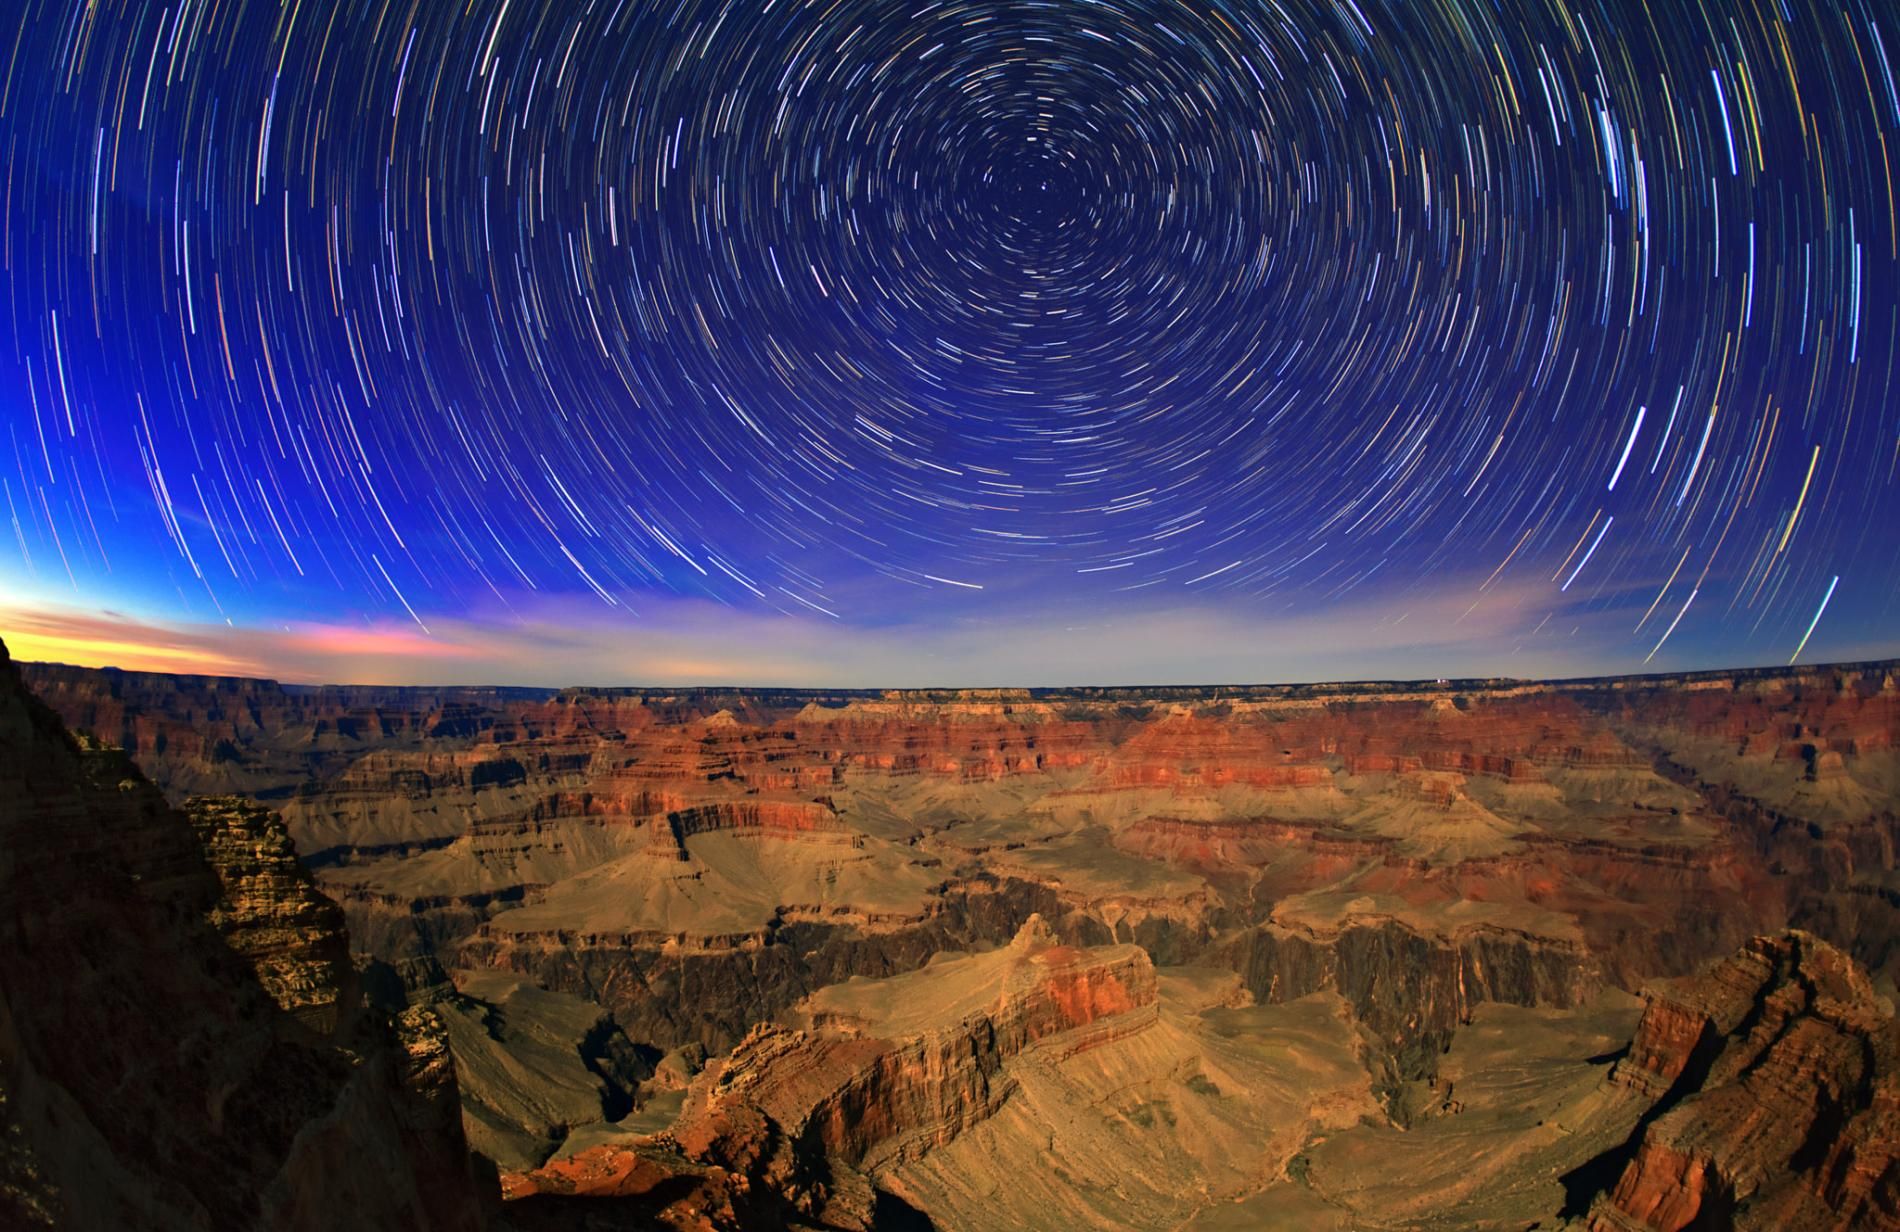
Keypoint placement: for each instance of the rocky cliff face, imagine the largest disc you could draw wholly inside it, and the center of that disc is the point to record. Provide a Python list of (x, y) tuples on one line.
[(271, 913), (180, 1046), (536, 1068), (1410, 990), (1777, 1074)]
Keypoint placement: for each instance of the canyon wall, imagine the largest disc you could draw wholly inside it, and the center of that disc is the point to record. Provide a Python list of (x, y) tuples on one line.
[(1777, 1080), (699, 861), (915, 933)]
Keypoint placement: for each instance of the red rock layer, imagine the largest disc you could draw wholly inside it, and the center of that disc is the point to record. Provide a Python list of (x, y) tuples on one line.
[(1779, 1077)]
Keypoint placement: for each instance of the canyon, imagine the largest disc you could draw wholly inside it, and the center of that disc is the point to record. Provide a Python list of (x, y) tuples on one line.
[(1608, 954)]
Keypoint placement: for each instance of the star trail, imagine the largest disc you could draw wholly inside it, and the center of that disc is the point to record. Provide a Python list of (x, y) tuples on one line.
[(899, 317)]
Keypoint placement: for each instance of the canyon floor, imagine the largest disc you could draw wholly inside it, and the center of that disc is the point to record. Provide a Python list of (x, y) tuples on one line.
[(1609, 954)]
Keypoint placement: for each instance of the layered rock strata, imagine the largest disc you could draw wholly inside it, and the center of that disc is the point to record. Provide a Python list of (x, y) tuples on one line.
[(697, 862), (1777, 1076)]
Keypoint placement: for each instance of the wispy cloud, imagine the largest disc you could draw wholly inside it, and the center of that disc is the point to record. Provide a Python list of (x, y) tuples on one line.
[(691, 642)]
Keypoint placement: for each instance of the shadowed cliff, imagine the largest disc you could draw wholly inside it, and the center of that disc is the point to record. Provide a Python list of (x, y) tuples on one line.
[(182, 1041)]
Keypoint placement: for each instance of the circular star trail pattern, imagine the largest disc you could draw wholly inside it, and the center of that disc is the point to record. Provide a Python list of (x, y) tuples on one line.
[(862, 309)]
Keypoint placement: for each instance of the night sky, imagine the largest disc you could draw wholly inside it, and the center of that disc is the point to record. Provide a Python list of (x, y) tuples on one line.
[(966, 342)]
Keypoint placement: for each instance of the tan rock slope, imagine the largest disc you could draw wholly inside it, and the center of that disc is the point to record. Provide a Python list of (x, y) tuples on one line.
[(1041, 1086), (881, 1071), (537, 1070), (933, 1091)]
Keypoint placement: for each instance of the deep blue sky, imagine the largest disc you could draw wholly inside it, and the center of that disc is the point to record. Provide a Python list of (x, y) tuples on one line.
[(964, 342)]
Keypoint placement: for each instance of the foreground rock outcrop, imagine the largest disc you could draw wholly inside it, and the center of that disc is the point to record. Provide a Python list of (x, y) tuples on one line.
[(270, 912), (1777, 1074), (181, 1041)]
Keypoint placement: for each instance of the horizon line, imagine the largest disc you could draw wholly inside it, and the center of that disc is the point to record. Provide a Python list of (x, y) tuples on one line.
[(1420, 682)]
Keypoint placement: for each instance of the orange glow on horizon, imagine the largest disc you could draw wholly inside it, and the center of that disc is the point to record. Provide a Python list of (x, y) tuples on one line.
[(85, 639), (45, 646)]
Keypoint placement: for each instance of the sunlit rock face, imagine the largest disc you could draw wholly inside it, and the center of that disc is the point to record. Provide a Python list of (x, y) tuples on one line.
[(1267, 924), (1778, 1076)]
